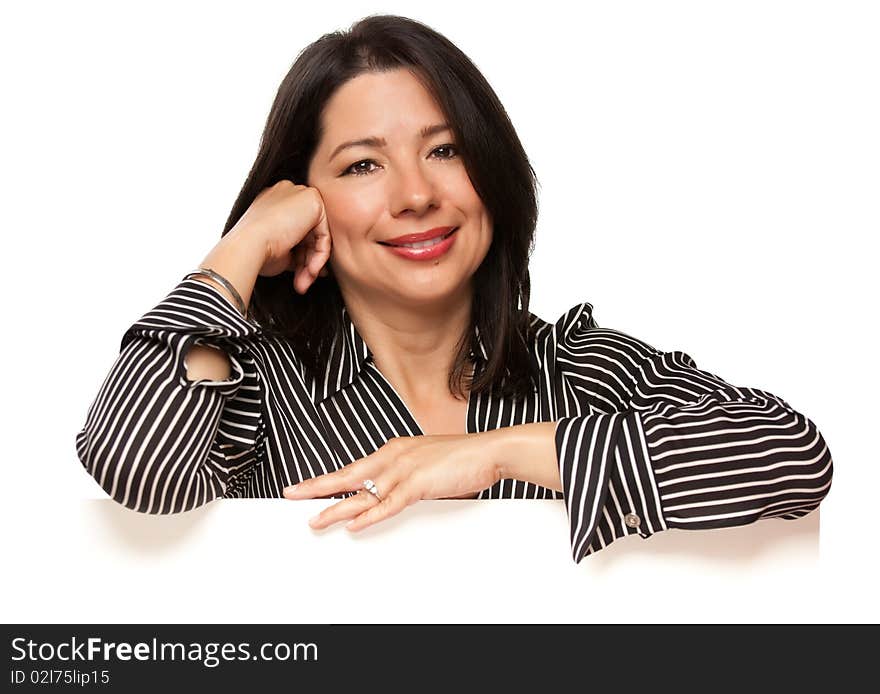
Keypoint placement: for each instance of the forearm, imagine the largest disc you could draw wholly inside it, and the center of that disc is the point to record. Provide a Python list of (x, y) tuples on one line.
[(147, 439), (238, 257), (526, 452)]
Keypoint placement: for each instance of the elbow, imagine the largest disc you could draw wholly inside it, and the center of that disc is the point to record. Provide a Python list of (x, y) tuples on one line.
[(809, 454), (128, 482), (824, 465), (116, 478), (820, 462)]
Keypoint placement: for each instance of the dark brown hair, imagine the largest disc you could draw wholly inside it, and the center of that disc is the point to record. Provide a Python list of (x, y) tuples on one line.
[(491, 152)]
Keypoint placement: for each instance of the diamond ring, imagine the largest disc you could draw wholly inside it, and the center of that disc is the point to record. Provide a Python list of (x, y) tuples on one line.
[(370, 486)]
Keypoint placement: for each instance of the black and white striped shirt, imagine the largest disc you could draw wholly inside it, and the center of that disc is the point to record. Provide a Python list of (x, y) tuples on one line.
[(645, 440)]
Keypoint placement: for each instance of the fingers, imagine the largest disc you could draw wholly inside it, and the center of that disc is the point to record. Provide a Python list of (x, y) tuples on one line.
[(352, 506), (392, 504), (322, 244), (325, 485), (312, 255), (303, 276), (364, 509), (343, 510), (316, 262), (298, 263), (301, 281)]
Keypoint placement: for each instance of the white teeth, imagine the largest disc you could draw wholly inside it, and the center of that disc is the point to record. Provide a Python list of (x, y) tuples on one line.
[(425, 244)]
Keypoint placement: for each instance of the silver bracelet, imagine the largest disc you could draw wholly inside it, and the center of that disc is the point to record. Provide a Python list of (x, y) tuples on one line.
[(221, 280)]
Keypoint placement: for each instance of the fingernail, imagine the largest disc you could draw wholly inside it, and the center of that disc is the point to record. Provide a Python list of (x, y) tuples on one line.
[(312, 520), (291, 489)]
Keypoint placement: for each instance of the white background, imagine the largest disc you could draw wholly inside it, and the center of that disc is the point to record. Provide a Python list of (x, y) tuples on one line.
[(709, 182)]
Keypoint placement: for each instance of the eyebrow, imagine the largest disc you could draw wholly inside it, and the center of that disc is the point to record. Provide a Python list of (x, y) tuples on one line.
[(374, 141)]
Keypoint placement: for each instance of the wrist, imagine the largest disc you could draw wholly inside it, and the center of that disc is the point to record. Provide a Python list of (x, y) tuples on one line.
[(247, 241), (238, 258), (525, 452)]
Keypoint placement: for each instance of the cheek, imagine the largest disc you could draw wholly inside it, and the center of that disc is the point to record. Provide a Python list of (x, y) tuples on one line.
[(467, 199), (480, 216), (470, 203), (349, 216)]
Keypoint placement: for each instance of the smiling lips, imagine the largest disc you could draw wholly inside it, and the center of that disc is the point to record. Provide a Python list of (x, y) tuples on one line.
[(424, 246)]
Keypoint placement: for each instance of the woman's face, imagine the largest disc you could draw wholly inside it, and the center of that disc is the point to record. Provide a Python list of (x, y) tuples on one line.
[(405, 183)]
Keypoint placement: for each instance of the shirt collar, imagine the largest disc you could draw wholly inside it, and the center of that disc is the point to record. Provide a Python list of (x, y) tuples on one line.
[(349, 354)]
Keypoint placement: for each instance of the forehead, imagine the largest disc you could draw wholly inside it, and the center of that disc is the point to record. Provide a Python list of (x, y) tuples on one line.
[(378, 103)]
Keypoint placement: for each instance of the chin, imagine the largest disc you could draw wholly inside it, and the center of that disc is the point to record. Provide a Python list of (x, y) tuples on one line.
[(430, 291)]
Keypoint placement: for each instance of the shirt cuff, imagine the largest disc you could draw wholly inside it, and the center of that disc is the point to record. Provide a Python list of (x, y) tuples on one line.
[(607, 480), (196, 312), (227, 387), (196, 308)]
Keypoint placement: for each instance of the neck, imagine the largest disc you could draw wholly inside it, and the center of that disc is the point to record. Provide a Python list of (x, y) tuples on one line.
[(413, 346)]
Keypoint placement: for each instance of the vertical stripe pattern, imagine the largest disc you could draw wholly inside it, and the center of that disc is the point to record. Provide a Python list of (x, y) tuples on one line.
[(645, 440)]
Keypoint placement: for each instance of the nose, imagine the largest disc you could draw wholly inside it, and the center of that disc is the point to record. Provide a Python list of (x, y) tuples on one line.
[(412, 189)]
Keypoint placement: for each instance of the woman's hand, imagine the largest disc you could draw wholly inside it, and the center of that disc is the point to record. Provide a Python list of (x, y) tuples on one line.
[(290, 223), (405, 470)]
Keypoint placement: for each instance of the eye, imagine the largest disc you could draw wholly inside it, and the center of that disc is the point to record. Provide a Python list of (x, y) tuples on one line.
[(447, 147), (356, 169)]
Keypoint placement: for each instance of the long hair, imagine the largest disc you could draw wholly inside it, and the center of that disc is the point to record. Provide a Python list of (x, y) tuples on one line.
[(491, 152)]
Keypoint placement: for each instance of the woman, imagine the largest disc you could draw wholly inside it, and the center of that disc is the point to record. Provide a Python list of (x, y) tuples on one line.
[(361, 331)]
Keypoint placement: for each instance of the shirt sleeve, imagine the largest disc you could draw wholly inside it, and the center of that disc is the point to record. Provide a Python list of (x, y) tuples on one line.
[(668, 445), (159, 443)]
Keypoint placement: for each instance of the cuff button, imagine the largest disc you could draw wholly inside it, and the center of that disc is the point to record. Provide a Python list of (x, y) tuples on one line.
[(632, 520)]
